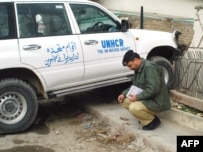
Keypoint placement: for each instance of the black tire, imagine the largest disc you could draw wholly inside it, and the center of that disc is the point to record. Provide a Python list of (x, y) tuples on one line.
[(167, 70), (18, 106)]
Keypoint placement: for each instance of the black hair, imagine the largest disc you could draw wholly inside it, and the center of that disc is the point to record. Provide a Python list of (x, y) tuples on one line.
[(129, 56)]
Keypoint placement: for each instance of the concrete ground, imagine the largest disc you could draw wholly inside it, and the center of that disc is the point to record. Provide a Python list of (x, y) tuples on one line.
[(162, 139)]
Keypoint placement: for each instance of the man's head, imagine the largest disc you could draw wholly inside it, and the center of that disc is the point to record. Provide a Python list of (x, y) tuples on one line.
[(131, 60)]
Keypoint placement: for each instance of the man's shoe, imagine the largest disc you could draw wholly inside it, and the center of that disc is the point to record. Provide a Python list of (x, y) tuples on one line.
[(152, 125)]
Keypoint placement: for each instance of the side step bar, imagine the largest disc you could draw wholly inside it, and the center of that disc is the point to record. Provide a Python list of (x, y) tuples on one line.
[(86, 87)]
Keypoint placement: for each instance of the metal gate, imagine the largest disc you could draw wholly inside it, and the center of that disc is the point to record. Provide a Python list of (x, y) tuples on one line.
[(189, 74)]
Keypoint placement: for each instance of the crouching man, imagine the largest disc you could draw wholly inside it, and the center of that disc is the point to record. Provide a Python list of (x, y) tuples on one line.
[(153, 99)]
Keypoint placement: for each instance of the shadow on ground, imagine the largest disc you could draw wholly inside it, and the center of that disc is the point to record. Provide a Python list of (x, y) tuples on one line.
[(32, 148)]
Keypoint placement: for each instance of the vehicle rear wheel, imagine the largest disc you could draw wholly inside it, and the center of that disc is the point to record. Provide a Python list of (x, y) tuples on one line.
[(167, 69), (18, 106)]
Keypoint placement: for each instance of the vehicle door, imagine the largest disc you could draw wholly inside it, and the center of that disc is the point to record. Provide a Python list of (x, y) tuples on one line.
[(103, 42), (47, 44), (8, 38)]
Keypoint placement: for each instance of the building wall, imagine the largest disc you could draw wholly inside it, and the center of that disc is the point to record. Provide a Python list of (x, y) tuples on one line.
[(166, 24)]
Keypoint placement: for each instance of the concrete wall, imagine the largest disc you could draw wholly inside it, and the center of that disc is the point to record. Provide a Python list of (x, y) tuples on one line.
[(166, 24)]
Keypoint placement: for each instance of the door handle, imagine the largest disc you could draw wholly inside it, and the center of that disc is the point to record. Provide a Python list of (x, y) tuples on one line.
[(91, 42), (31, 47)]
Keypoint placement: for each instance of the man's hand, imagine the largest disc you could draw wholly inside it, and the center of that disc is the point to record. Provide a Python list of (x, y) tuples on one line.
[(132, 98), (120, 98)]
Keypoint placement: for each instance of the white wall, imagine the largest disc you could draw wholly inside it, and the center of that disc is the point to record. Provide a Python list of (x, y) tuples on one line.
[(197, 42), (176, 8)]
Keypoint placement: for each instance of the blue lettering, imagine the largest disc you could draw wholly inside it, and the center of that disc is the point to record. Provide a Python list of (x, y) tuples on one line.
[(71, 58), (53, 59), (103, 44), (124, 48), (114, 50), (121, 42), (117, 43), (62, 54), (100, 51), (108, 43), (112, 43), (106, 50)]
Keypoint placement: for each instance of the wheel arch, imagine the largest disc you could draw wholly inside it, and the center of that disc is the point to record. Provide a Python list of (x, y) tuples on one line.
[(167, 52), (26, 75)]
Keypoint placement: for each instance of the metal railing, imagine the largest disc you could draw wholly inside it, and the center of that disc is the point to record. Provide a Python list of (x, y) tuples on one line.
[(189, 74)]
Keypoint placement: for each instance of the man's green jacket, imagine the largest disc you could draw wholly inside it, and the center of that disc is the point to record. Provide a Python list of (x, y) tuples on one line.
[(150, 78)]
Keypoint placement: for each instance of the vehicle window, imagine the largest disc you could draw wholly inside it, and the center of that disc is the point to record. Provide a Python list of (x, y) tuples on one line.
[(7, 21), (91, 19), (42, 19)]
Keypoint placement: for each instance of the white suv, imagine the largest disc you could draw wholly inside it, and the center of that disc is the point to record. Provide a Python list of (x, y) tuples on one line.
[(52, 48)]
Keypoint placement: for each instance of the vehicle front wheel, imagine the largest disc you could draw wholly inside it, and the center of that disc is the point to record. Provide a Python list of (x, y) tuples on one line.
[(167, 69), (18, 106)]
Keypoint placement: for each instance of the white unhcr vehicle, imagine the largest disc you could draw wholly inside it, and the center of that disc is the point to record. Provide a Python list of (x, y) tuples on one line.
[(52, 48)]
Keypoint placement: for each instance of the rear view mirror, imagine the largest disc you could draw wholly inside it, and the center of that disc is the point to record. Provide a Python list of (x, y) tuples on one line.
[(125, 25)]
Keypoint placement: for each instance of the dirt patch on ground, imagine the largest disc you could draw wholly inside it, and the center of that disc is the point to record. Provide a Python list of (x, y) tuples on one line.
[(65, 127)]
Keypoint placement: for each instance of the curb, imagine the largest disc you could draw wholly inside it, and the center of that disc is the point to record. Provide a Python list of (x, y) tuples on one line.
[(149, 138), (162, 139), (184, 118), (187, 100)]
